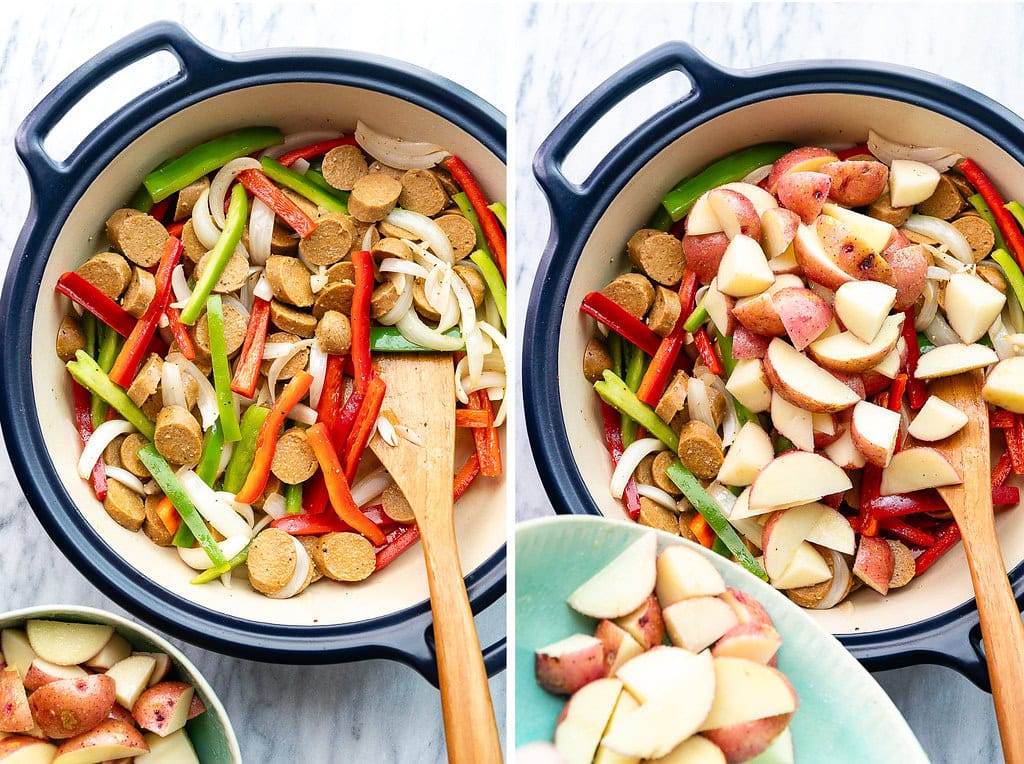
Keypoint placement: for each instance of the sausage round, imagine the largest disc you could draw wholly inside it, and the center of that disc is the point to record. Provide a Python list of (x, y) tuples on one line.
[(978, 233), (234, 274), (700, 449), (653, 515), (108, 272), (235, 327), (882, 209), (419, 300), (343, 166), (596, 360), (124, 506), (633, 292), (147, 379), (373, 197), (129, 454), (385, 169), (396, 506), (334, 333), (115, 221), (141, 238), (141, 291), (295, 364), (383, 299), (178, 438), (194, 249), (153, 526), (330, 241), (471, 278), (272, 561), (289, 319), (335, 296), (343, 271), (70, 338), (945, 202), (188, 196), (662, 461), (422, 192), (294, 460), (657, 254), (345, 556), (289, 281), (664, 311), (390, 247), (460, 233)]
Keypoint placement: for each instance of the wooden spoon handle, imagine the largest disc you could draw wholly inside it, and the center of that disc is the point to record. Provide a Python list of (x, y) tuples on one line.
[(1003, 635), (470, 727)]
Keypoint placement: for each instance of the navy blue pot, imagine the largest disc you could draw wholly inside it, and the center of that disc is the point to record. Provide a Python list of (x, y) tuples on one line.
[(727, 109), (58, 186)]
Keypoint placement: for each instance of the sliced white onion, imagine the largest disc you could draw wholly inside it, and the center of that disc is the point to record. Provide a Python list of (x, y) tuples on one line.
[(467, 309), (298, 140), (152, 488), (398, 265), (219, 185), (940, 333), (499, 415), (272, 350), (404, 304), (298, 578), (487, 379), (731, 421), (179, 284), (367, 243), (127, 479), (937, 273), (947, 262), (698, 402), (631, 457), (460, 371), (261, 231), (658, 496), (226, 451), (197, 559), (723, 497), (302, 414), (840, 582), (886, 150), (244, 511), (215, 511), (318, 368), (426, 229), (263, 290), (208, 407), (942, 232), (416, 331), (267, 520), (205, 228), (301, 166), (279, 363), (474, 355), (371, 486), (171, 386), (929, 306), (396, 152), (386, 430), (756, 176), (275, 506), (101, 437), (491, 314), (450, 314), (318, 280)]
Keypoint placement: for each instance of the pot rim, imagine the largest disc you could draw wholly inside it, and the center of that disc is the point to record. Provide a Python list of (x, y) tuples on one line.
[(951, 638), (405, 635)]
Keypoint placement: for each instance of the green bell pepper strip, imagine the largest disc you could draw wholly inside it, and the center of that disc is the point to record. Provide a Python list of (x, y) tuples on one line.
[(89, 330), (209, 461), (495, 283), (207, 157), (387, 339), (90, 376), (661, 220), (466, 208), (719, 547), (142, 201), (217, 571), (923, 343), (317, 179), (734, 167), (616, 394), (634, 375), (293, 498), (697, 318), (109, 347), (499, 212), (615, 351), (288, 178), (782, 444), (238, 212), (1017, 210), (1012, 271), (982, 208), (241, 458), (221, 369), (168, 481), (729, 365), (714, 516)]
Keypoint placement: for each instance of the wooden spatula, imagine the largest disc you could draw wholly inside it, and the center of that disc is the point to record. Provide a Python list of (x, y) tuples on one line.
[(421, 394), (971, 505)]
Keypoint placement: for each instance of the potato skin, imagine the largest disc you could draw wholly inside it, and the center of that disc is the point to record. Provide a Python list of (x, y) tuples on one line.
[(910, 273), (71, 707)]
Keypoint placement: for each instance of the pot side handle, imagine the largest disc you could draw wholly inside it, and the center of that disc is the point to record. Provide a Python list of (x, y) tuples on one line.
[(568, 199), (46, 173), (419, 652)]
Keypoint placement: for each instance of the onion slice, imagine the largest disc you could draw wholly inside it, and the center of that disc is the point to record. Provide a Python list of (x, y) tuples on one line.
[(279, 363), (216, 512), (426, 229), (101, 437), (886, 150), (224, 178), (396, 152), (298, 140), (197, 559), (205, 228), (942, 232), (416, 331), (840, 582), (261, 231), (371, 486), (127, 479), (208, 407), (317, 368), (275, 506), (172, 387), (658, 496), (300, 575), (302, 414), (635, 453)]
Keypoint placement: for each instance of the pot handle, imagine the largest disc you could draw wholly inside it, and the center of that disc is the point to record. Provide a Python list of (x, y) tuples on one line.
[(421, 654), (46, 173), (568, 199)]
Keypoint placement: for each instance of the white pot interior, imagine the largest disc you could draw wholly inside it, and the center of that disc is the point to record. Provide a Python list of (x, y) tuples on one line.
[(829, 119), (480, 514)]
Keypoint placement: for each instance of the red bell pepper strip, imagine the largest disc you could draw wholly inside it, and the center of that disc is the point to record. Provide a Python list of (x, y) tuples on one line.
[(360, 319), (1001, 419), (363, 427), (316, 149), (945, 540), (338, 487), (469, 418), (488, 222), (707, 351), (250, 360), (168, 515), (1001, 471), (613, 439), (83, 421), (314, 495), (704, 533), (898, 505), (1004, 218), (907, 532), (266, 441), (332, 393), (260, 186), (870, 485), (159, 210), (1005, 496), (1015, 444), (917, 392), (488, 447), (853, 151), (465, 476), (662, 365), (180, 335), (613, 316), (176, 229), (93, 300), (137, 344), (347, 418), (310, 525)]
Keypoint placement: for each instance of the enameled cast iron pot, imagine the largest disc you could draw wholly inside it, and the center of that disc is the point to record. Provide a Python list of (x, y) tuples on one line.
[(932, 620), (387, 616)]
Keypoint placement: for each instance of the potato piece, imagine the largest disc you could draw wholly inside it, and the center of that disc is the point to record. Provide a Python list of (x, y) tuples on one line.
[(71, 707), (1002, 386), (565, 666), (804, 193), (131, 677), (937, 420), (164, 707), (17, 715), (856, 183), (911, 182), (67, 644), (744, 269), (111, 739)]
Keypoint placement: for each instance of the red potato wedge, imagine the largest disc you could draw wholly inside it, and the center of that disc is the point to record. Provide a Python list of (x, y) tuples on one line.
[(109, 740), (15, 713), (784, 532), (131, 678), (67, 644), (832, 531), (815, 262), (702, 218), (71, 707), (176, 748), (742, 512), (845, 352), (826, 429), (761, 199), (719, 306), (748, 691), (875, 233), (853, 381), (694, 750), (898, 240), (889, 366), (747, 740), (619, 645), (911, 182), (803, 159), (736, 213), (16, 650), (164, 707), (645, 624), (196, 708), (875, 430), (807, 568), (585, 718), (1002, 386), (683, 573), (803, 313), (751, 452), (856, 183), (19, 749), (843, 453), (918, 468), (793, 422), (797, 478), (758, 314), (565, 666), (874, 563), (703, 254), (786, 263), (749, 385), (744, 270), (696, 624), (117, 711), (162, 668), (747, 607), (625, 706), (909, 265), (948, 360), (756, 642), (971, 305), (804, 193), (623, 585), (803, 383), (746, 345), (863, 306), (116, 649), (43, 672), (845, 247)]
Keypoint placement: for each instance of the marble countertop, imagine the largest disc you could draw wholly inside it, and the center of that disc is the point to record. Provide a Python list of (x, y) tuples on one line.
[(567, 49), (374, 711)]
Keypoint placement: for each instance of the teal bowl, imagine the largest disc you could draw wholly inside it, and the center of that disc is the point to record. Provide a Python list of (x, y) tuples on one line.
[(844, 716), (210, 732)]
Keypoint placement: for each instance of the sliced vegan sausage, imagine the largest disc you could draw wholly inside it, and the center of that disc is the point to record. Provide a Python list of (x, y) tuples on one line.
[(664, 311), (147, 380), (153, 526), (419, 301), (343, 166), (124, 506), (335, 296), (330, 241), (978, 233), (422, 192), (233, 277), (295, 364), (235, 327), (141, 238), (658, 254), (685, 518), (272, 560), (345, 556), (194, 249), (393, 231), (903, 570), (129, 454), (396, 506), (653, 515), (294, 460), (178, 438), (945, 202), (70, 338), (334, 333), (460, 233), (383, 299), (992, 276), (309, 208), (115, 221), (343, 271), (289, 319), (633, 292), (389, 247), (373, 197), (379, 167), (596, 360), (361, 230), (188, 196), (659, 471), (643, 472), (700, 450), (673, 400), (289, 281), (283, 240), (141, 291), (112, 453), (472, 279), (108, 272), (883, 210), (309, 543)]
